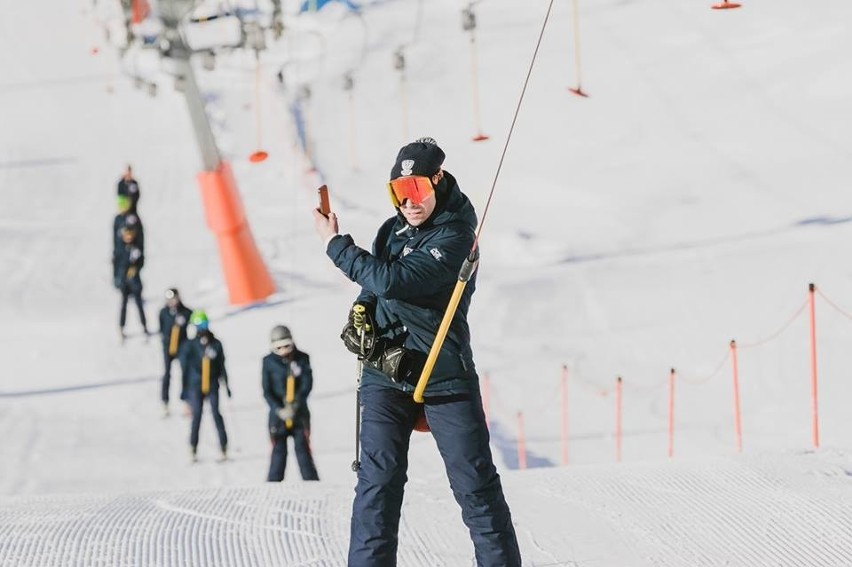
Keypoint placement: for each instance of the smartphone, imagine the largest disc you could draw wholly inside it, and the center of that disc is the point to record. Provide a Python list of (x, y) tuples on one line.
[(324, 205)]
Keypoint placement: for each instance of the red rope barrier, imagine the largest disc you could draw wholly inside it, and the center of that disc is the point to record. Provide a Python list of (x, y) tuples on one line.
[(775, 335)]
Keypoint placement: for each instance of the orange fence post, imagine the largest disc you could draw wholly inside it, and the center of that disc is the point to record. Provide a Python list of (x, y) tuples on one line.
[(618, 388), (564, 414), (737, 423), (814, 398), (578, 90), (522, 448), (245, 273), (671, 412), (486, 397)]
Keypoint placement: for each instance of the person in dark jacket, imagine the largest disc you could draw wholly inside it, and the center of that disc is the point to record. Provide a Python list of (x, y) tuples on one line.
[(123, 218), (128, 187), (127, 267), (202, 361), (406, 284), (287, 381), (174, 318)]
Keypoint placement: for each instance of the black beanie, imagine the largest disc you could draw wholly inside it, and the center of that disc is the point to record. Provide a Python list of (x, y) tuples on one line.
[(422, 157)]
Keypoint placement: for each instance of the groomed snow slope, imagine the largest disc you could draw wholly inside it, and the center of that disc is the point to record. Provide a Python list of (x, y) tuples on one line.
[(688, 201)]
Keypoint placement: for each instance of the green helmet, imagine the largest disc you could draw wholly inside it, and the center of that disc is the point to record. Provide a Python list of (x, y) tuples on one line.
[(199, 319), (123, 202)]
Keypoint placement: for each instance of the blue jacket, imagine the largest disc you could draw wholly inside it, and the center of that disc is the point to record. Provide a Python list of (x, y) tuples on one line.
[(274, 375), (409, 278), (191, 355), (127, 266), (178, 315)]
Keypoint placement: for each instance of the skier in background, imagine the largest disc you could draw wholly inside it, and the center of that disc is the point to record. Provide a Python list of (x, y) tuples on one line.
[(202, 360), (406, 285), (129, 187), (122, 219), (127, 266), (287, 381), (174, 318)]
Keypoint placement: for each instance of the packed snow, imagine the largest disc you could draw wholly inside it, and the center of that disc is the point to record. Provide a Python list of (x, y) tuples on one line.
[(688, 201)]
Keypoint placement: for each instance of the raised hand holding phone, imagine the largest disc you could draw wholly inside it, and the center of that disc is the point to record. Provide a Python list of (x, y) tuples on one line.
[(325, 222), (324, 204)]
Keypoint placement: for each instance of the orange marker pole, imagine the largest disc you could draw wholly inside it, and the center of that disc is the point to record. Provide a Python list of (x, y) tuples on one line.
[(246, 275), (259, 154), (671, 412), (578, 90), (618, 388), (474, 77), (737, 422), (486, 396), (522, 449), (814, 398), (564, 414)]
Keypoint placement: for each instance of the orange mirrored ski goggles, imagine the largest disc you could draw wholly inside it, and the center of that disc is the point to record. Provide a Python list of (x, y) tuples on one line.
[(413, 187)]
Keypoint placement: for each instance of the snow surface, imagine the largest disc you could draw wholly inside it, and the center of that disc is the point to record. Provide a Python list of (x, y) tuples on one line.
[(689, 201)]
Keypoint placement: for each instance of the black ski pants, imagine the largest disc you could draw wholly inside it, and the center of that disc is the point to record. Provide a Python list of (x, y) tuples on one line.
[(458, 426), (196, 402), (126, 292), (302, 445)]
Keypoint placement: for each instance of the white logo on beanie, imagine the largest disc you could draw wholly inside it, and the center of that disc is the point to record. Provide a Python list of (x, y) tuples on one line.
[(407, 166)]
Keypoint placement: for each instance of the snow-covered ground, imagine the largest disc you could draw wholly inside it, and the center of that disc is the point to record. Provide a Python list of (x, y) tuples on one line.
[(687, 202)]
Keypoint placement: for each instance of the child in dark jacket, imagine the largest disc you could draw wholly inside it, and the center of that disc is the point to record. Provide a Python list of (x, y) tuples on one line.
[(287, 381)]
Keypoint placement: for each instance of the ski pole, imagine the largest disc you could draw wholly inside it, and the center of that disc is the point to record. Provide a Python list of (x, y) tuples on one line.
[(469, 265), (356, 464), (361, 311)]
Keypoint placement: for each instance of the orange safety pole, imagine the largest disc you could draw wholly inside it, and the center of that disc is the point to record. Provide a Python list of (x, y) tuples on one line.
[(486, 396), (399, 65), (578, 90), (245, 273), (469, 25), (564, 414), (349, 87), (814, 398), (258, 155), (737, 422), (140, 10), (725, 5), (671, 412), (522, 449), (618, 388)]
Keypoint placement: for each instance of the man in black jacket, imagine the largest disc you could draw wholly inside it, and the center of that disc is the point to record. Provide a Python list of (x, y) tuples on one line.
[(128, 187), (406, 284), (174, 318), (127, 267), (202, 361), (287, 381)]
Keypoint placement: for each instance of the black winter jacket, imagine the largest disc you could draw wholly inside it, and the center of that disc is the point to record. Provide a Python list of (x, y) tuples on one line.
[(409, 278), (171, 316), (274, 375), (129, 260), (191, 355)]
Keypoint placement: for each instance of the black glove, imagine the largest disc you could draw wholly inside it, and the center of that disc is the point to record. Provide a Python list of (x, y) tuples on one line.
[(358, 334), (398, 363)]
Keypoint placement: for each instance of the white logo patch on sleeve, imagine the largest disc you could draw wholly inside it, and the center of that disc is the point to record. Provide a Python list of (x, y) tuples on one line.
[(436, 253)]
